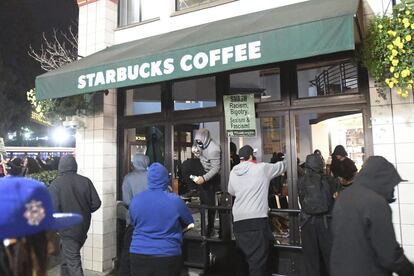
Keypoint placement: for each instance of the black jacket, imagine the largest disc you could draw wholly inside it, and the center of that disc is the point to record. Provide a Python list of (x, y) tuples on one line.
[(364, 239), (74, 193)]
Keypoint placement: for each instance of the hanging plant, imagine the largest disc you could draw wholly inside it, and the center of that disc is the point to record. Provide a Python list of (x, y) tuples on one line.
[(387, 51)]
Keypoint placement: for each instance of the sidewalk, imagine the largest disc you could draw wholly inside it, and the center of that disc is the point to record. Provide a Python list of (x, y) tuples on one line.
[(55, 271)]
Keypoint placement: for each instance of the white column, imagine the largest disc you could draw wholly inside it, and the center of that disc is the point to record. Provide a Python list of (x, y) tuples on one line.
[(96, 144), (393, 137)]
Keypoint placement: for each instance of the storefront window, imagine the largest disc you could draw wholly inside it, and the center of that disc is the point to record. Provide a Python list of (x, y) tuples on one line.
[(134, 11), (265, 84), (148, 141), (327, 79), (194, 94), (143, 100), (185, 4)]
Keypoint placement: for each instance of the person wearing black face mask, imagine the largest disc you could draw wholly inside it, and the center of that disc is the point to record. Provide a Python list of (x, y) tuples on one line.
[(210, 158), (364, 242)]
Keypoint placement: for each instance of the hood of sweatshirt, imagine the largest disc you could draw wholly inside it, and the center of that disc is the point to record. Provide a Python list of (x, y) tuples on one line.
[(204, 136), (314, 162), (242, 168), (379, 175), (140, 162), (157, 177), (67, 164)]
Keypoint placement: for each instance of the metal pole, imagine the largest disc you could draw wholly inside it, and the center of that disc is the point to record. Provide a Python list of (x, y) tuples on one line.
[(394, 2)]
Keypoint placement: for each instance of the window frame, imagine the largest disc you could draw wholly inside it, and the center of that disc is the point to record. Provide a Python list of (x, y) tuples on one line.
[(123, 13), (199, 7)]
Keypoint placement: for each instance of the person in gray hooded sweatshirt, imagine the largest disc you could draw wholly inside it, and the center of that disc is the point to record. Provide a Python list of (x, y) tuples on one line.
[(364, 242), (133, 183), (249, 183), (73, 193), (210, 157)]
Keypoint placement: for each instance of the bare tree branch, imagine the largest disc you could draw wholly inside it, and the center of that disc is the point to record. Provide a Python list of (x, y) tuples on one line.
[(60, 48)]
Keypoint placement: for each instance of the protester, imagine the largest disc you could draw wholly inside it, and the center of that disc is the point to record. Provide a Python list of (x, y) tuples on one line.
[(316, 195), (133, 183), (249, 183), (343, 167), (158, 218), (30, 166), (14, 167), (72, 192), (364, 242), (210, 157), (26, 216), (234, 158)]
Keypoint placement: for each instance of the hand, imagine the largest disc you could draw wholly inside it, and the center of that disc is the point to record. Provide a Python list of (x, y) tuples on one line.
[(200, 180)]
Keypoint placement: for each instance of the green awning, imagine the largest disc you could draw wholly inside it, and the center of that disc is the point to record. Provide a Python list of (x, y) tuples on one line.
[(296, 31)]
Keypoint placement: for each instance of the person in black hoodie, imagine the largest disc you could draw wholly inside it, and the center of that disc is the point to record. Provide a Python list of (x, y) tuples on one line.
[(73, 193), (343, 167), (316, 194), (364, 242)]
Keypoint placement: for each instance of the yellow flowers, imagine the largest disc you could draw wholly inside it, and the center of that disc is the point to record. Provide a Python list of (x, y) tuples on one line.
[(406, 22), (389, 49), (405, 73), (392, 33), (397, 42), (390, 83)]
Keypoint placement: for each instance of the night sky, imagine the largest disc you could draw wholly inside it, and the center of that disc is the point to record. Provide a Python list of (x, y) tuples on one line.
[(22, 24)]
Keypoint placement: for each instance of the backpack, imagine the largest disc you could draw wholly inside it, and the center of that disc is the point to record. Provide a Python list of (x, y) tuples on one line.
[(315, 193)]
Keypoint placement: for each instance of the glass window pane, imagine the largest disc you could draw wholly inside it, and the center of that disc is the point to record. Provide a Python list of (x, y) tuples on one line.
[(133, 11), (327, 79), (265, 84), (122, 13), (194, 94), (143, 100), (149, 9), (185, 4), (146, 140)]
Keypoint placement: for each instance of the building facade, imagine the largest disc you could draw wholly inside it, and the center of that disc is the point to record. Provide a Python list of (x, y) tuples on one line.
[(174, 62)]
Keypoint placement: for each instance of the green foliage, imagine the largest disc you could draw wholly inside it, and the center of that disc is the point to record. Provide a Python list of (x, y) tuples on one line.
[(45, 176), (55, 110), (387, 51)]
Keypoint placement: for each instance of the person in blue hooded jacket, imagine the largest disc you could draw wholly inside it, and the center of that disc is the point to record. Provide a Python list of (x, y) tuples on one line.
[(158, 218)]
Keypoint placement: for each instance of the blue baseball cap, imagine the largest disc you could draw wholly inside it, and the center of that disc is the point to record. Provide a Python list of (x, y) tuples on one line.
[(26, 208)]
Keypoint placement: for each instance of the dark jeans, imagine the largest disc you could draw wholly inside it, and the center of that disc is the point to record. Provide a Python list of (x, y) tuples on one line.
[(125, 266), (255, 245), (71, 263), (145, 265), (316, 244), (208, 197)]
